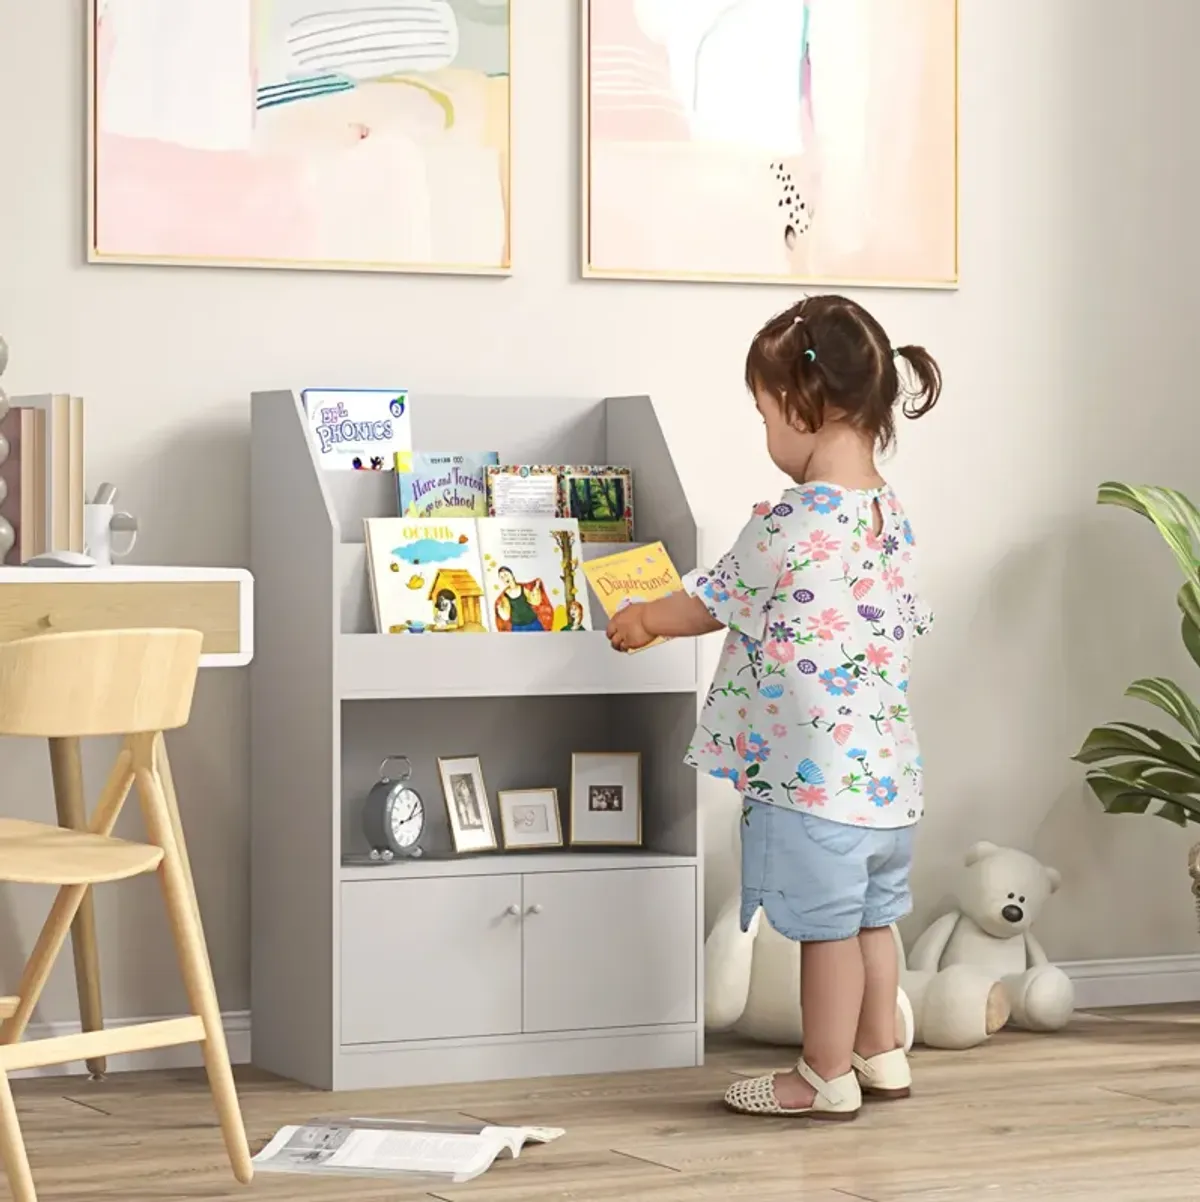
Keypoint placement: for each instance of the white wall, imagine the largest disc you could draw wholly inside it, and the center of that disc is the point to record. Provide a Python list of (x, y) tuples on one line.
[(1068, 353)]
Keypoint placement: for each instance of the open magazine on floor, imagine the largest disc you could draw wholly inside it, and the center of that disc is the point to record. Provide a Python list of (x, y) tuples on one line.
[(370, 1147)]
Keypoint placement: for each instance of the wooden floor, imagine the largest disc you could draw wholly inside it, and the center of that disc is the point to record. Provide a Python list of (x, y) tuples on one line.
[(1108, 1110)]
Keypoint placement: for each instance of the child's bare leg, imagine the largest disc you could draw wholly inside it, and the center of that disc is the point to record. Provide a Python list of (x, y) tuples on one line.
[(881, 974), (831, 994)]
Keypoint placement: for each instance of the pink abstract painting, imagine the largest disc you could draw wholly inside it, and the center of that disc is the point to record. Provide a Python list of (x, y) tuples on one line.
[(351, 134), (775, 140)]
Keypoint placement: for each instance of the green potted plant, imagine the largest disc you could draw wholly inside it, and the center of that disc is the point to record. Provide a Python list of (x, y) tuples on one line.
[(1134, 769)]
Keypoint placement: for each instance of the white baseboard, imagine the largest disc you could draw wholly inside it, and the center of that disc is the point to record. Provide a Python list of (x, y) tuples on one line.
[(1145, 981), (237, 1035), (1099, 984)]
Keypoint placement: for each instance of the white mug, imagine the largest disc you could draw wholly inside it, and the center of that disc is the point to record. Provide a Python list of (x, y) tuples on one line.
[(100, 524)]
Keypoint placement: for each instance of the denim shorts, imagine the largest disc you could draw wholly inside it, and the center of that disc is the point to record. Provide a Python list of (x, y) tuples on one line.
[(818, 880)]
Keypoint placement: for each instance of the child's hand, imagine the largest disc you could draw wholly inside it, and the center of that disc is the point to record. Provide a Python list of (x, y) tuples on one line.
[(627, 630)]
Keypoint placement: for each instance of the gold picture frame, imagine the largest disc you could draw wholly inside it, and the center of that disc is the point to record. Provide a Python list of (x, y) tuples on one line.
[(511, 803), (589, 271), (94, 254), (467, 807), (606, 799)]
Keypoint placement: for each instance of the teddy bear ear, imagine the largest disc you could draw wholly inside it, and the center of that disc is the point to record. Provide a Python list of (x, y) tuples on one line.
[(1055, 878), (980, 851)]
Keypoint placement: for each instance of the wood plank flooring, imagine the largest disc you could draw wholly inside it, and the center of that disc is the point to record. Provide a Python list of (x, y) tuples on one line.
[(1109, 1109)]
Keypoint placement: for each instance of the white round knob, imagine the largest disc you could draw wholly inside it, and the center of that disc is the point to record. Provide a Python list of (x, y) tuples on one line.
[(8, 539), (4, 447), (3, 356), (535, 909), (514, 910), (3, 404)]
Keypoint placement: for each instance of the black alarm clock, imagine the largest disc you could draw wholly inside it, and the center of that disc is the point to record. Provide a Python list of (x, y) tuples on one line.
[(394, 814)]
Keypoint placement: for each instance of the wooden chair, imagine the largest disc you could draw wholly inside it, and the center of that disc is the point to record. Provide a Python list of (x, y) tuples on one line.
[(134, 683)]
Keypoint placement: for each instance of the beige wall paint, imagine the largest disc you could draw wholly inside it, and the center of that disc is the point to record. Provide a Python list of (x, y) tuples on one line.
[(1068, 353)]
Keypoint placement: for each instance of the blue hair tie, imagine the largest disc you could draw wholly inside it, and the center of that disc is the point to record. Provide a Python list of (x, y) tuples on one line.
[(810, 355)]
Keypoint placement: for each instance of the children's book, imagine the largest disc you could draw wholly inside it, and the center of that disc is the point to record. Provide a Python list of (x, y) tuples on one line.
[(601, 500), (451, 485), (366, 429), (633, 576), (426, 575), (532, 575), (370, 1147), (524, 490)]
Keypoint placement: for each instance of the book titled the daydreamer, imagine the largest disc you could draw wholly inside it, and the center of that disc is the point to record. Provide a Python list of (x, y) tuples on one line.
[(451, 484), (360, 429)]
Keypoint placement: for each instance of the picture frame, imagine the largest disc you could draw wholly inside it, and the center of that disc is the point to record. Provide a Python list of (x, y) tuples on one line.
[(490, 90), (467, 807), (606, 799), (654, 104), (529, 819)]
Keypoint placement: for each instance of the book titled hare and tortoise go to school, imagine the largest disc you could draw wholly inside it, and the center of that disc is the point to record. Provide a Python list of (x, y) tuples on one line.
[(477, 545)]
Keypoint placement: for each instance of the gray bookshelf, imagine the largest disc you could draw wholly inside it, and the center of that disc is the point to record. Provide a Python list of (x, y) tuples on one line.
[(492, 966)]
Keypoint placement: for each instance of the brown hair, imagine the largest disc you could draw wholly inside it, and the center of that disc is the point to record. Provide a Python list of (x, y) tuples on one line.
[(828, 353)]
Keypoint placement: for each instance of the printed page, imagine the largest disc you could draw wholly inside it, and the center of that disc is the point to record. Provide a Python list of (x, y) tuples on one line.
[(462, 1157)]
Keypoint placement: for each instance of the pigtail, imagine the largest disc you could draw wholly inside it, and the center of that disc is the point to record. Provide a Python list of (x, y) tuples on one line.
[(925, 375)]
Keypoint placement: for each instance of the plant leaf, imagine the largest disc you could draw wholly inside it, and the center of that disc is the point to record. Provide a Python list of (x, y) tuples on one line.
[(1190, 630), (1120, 796), (1127, 740), (1171, 699), (1176, 518)]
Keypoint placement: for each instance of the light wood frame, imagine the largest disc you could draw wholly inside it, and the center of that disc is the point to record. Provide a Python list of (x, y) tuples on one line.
[(475, 771), (588, 272), (576, 800), (95, 255), (507, 798)]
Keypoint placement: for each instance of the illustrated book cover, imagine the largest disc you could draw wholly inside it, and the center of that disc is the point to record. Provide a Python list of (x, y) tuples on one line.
[(533, 575), (366, 429), (630, 577), (426, 575), (523, 490), (452, 484), (600, 499)]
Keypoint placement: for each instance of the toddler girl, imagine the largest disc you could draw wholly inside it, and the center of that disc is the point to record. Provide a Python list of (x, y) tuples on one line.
[(808, 714)]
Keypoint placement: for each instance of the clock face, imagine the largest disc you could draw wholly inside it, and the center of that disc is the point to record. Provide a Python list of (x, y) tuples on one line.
[(406, 818)]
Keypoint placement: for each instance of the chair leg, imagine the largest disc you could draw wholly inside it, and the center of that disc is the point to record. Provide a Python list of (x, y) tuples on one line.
[(12, 1147), (67, 772), (37, 968), (66, 906), (193, 962)]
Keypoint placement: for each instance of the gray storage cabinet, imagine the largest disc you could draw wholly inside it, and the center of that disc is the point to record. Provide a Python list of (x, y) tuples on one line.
[(460, 969)]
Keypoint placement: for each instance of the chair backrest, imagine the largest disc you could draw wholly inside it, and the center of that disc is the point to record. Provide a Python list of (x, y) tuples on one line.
[(98, 682)]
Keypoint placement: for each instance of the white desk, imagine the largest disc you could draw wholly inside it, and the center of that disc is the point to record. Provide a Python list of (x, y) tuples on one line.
[(219, 602)]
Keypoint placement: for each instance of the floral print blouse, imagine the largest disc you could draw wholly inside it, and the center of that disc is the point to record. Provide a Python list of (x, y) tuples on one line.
[(809, 705)]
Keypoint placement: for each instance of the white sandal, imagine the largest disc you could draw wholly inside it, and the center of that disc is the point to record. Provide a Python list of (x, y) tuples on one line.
[(886, 1076), (834, 1101)]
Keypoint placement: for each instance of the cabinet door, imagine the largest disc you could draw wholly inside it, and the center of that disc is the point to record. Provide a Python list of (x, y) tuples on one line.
[(610, 949), (431, 959)]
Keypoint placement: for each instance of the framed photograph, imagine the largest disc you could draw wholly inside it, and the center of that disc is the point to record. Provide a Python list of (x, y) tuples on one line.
[(467, 804), (606, 799), (529, 818)]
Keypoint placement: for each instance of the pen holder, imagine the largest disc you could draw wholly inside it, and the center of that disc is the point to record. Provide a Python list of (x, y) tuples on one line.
[(108, 533)]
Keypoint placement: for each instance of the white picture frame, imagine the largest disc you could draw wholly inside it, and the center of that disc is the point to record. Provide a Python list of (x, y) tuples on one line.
[(529, 819), (606, 799), (467, 807)]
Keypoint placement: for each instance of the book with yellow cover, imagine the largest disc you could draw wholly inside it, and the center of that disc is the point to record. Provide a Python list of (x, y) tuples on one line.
[(639, 574)]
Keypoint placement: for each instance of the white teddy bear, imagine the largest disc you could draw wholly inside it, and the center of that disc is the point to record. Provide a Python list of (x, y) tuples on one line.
[(979, 967), (752, 982)]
